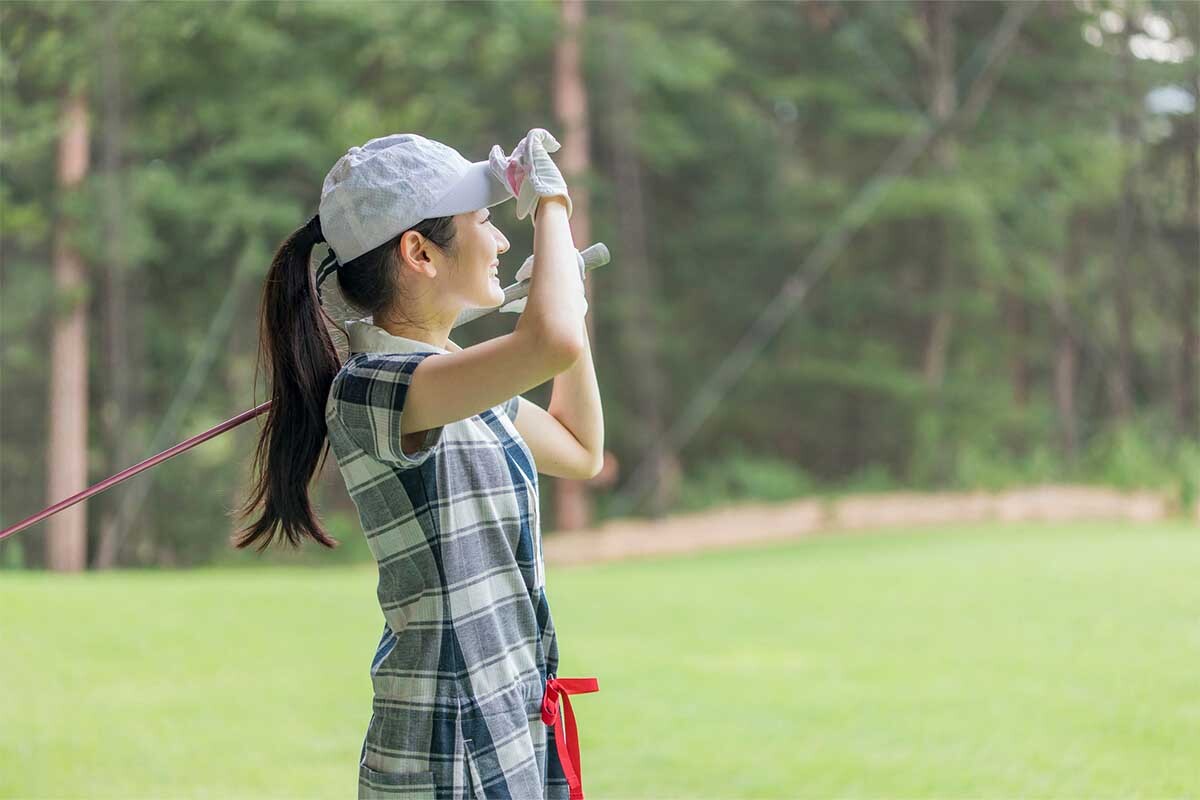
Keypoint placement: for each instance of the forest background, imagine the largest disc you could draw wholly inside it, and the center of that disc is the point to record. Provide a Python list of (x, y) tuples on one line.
[(855, 246)]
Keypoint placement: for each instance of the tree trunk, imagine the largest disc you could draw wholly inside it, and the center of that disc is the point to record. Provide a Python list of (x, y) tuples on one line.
[(572, 499), (1016, 315), (939, 58), (1066, 356), (943, 101), (66, 461), (635, 320), (1120, 377)]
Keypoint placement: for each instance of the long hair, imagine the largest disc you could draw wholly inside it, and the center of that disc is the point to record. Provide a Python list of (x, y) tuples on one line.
[(302, 362)]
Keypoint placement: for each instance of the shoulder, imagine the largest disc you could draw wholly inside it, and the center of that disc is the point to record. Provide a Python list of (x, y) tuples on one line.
[(381, 366), (366, 404), (370, 387), (363, 372)]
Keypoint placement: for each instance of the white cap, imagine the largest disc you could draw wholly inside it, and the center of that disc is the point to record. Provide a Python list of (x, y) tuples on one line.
[(383, 188)]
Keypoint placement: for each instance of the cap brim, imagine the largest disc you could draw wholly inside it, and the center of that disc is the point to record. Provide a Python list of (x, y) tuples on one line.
[(479, 188)]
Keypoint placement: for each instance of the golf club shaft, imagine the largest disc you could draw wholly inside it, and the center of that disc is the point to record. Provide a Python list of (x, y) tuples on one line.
[(596, 255)]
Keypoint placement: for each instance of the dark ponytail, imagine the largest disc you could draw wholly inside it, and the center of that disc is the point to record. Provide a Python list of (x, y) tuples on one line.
[(302, 362)]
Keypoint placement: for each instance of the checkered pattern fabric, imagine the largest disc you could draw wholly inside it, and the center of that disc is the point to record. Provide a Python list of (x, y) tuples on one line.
[(468, 642)]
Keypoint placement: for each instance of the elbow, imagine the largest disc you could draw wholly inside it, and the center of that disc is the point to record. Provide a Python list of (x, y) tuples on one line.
[(556, 338), (572, 348), (554, 348), (597, 467), (564, 347)]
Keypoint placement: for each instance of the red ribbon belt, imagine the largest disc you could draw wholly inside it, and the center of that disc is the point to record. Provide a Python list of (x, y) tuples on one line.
[(568, 741)]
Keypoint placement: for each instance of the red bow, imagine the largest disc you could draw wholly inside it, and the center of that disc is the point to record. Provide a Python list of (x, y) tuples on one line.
[(568, 742)]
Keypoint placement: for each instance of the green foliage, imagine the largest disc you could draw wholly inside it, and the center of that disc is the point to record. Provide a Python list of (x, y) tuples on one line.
[(987, 463), (870, 478), (1188, 476), (1146, 453), (754, 130), (741, 475)]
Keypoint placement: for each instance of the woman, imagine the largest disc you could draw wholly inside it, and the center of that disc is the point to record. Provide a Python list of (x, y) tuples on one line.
[(427, 440)]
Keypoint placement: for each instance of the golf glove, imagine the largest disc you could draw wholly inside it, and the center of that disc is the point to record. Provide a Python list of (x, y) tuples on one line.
[(529, 173), (518, 305)]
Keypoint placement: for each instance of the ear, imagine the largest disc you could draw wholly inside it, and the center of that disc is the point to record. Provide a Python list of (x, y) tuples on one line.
[(414, 254)]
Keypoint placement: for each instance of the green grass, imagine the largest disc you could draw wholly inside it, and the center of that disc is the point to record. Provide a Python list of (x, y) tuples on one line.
[(985, 661)]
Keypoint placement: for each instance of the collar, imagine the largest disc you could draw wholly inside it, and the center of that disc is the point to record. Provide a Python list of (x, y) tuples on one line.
[(366, 337)]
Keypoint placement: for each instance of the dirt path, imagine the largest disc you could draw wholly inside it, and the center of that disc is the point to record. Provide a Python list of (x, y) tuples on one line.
[(741, 524)]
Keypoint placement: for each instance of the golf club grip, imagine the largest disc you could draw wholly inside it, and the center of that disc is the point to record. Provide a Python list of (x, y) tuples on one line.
[(594, 256)]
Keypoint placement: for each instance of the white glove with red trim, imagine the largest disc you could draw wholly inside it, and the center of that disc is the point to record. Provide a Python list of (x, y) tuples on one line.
[(529, 172)]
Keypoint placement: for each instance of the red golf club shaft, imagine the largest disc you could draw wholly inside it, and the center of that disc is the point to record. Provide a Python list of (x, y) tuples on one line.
[(594, 256), (129, 472)]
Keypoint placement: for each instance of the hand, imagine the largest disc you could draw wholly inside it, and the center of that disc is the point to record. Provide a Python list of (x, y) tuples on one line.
[(518, 305), (529, 172)]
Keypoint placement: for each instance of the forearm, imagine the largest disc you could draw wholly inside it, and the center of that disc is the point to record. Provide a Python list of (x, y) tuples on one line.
[(555, 277), (575, 401)]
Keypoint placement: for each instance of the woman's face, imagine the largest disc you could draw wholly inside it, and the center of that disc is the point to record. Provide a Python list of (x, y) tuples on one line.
[(474, 278)]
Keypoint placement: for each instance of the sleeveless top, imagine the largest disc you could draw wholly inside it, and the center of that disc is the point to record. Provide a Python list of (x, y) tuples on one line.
[(455, 532)]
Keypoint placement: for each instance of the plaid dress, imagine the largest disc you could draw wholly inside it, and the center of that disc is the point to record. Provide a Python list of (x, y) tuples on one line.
[(468, 642)]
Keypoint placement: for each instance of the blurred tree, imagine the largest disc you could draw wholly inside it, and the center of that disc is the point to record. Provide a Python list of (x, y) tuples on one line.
[(67, 453), (968, 327), (572, 499)]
